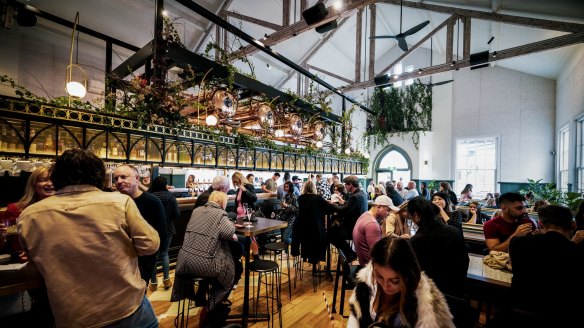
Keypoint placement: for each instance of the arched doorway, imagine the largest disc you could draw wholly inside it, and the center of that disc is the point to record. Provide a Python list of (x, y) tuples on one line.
[(393, 164)]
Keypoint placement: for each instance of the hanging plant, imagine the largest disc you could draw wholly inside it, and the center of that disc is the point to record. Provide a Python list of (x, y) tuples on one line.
[(398, 112)]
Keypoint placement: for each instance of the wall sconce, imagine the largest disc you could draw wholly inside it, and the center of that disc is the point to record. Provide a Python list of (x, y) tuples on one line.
[(366, 155), (279, 133), (348, 151), (74, 88), (319, 144)]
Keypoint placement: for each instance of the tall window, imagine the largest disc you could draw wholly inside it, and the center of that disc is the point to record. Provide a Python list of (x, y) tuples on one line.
[(580, 155), (394, 166), (564, 151), (476, 163)]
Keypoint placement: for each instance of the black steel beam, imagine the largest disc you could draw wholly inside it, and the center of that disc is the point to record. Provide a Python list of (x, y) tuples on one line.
[(69, 24), (258, 44), (134, 62)]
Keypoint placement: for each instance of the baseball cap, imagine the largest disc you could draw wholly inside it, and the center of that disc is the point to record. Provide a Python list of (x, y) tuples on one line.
[(294, 178), (385, 201)]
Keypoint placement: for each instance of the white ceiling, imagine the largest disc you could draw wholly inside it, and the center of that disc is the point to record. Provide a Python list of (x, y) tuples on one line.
[(132, 21)]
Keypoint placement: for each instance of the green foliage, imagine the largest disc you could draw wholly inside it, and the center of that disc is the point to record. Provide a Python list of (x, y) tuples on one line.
[(433, 185), (160, 103), (398, 112), (549, 192), (24, 94)]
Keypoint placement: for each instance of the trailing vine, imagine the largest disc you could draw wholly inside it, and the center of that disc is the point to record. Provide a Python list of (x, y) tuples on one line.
[(398, 112)]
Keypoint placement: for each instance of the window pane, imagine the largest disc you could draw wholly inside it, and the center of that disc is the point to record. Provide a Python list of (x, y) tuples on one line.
[(476, 164)]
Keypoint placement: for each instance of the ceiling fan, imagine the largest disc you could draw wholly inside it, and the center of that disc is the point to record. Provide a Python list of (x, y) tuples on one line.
[(430, 85), (401, 37)]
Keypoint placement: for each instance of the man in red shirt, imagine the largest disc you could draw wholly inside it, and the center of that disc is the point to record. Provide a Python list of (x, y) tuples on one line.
[(513, 221), (367, 230)]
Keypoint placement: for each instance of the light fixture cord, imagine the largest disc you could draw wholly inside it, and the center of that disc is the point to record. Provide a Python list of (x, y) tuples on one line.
[(72, 44)]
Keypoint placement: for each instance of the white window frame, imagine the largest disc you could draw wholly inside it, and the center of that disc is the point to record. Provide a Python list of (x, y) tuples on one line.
[(563, 158), (579, 169), (478, 188)]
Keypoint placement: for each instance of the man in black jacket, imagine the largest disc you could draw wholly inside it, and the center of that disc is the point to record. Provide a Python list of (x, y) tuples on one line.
[(547, 273), (349, 211)]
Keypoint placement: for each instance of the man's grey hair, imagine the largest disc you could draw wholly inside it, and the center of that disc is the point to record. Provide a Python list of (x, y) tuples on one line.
[(220, 183)]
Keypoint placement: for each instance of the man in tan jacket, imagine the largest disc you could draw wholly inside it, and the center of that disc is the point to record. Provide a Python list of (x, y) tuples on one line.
[(86, 243)]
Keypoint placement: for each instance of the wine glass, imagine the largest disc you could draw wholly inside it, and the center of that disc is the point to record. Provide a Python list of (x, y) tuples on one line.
[(248, 213)]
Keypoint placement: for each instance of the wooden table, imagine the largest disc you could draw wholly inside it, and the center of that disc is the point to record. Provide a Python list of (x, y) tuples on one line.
[(482, 273), (261, 226), (486, 285), (16, 278)]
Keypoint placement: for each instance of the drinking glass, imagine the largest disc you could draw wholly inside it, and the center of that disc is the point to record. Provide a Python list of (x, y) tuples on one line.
[(248, 213)]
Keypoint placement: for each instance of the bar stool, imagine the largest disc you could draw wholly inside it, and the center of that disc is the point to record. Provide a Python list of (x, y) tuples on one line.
[(187, 304), (271, 273), (279, 248)]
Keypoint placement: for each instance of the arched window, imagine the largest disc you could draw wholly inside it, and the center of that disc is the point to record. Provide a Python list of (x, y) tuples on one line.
[(393, 163)]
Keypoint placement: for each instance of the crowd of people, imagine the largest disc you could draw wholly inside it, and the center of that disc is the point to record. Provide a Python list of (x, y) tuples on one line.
[(408, 245)]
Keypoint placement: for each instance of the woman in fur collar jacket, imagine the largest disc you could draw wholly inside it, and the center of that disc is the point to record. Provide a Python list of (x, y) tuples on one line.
[(392, 289)]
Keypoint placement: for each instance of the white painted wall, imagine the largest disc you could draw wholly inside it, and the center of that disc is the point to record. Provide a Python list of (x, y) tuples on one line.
[(517, 108), (570, 102)]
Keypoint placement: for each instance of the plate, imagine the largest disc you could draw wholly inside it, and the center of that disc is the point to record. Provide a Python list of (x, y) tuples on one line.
[(237, 225)]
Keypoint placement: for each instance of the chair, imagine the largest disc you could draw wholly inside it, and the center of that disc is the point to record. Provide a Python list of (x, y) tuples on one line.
[(186, 304), (271, 271), (465, 316), (278, 248), (347, 273)]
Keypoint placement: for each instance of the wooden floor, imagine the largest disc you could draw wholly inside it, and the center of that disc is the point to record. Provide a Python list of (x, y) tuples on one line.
[(307, 308)]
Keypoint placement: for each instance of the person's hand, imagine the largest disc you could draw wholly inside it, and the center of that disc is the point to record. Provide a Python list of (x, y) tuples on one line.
[(234, 237), (406, 236), (578, 236), (241, 186), (473, 210), (523, 230)]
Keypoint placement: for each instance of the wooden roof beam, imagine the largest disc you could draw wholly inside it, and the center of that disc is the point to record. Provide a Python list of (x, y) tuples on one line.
[(502, 18), (253, 20), (313, 52), (223, 9), (549, 44), (449, 21), (292, 30), (338, 77)]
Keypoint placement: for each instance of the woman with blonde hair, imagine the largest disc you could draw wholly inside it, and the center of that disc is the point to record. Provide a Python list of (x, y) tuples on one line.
[(379, 190), (38, 187), (396, 223)]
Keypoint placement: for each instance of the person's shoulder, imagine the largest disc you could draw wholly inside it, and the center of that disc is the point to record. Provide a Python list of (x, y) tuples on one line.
[(151, 199)]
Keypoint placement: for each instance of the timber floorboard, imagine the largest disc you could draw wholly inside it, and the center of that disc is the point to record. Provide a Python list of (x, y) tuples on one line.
[(307, 308)]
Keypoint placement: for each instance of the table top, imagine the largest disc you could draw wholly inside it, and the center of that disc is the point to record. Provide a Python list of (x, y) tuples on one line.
[(16, 278), (479, 271), (262, 225)]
